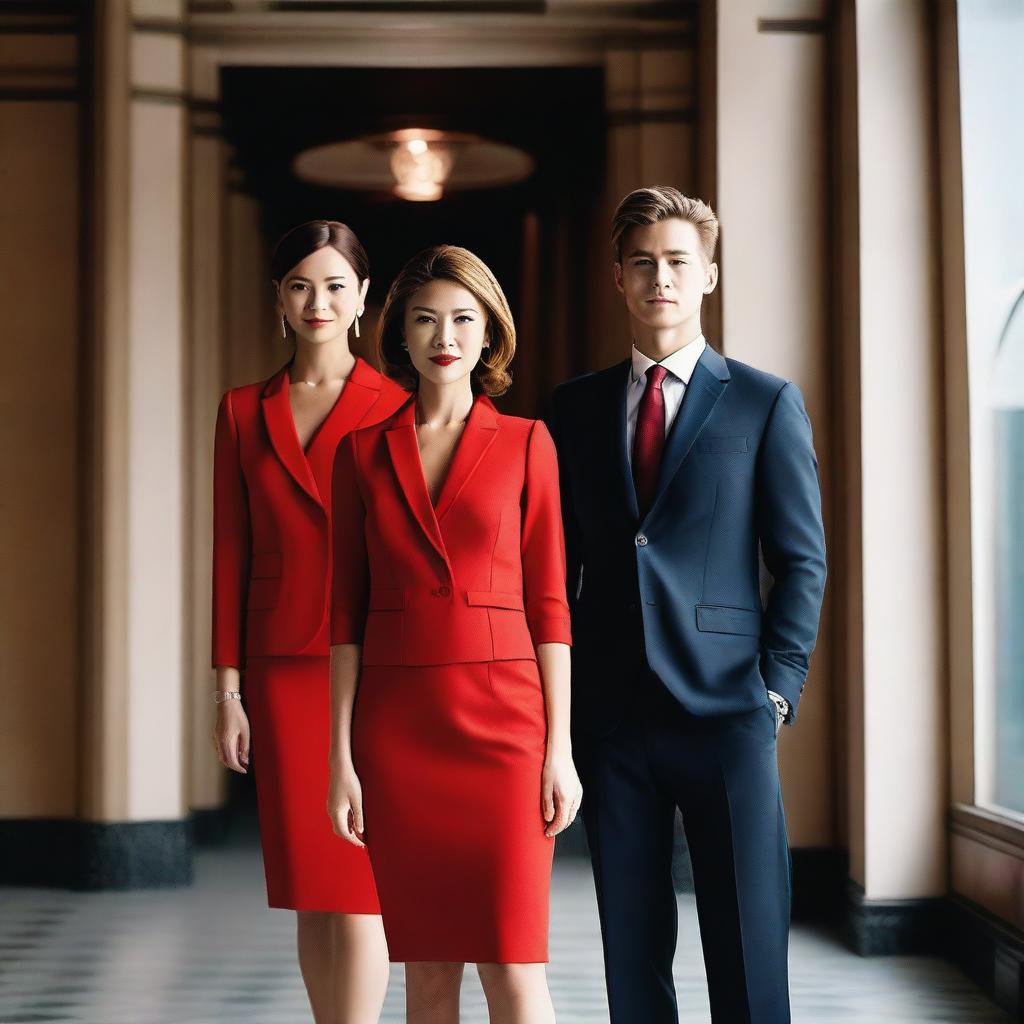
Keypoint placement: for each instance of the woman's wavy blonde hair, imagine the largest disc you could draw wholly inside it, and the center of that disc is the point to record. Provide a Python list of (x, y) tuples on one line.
[(449, 263)]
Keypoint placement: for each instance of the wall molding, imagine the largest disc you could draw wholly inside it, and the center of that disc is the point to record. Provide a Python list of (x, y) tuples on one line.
[(799, 26), (990, 828), (68, 854)]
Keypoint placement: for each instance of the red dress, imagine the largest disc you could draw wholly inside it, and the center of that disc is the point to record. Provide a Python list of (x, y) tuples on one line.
[(271, 580), (449, 728)]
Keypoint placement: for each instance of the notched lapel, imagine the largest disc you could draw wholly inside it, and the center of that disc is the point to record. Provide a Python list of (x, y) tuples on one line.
[(480, 431), (277, 416), (405, 458), (708, 382)]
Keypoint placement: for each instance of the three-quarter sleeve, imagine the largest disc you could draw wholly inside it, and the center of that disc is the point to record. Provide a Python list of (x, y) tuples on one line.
[(543, 543), (350, 570), (231, 542)]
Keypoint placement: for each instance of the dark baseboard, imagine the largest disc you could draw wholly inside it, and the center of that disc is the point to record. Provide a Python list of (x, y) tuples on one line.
[(988, 951), (69, 854), (210, 826), (894, 927)]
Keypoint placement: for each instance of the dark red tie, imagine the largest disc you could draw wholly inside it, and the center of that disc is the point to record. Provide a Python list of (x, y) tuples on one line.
[(649, 438)]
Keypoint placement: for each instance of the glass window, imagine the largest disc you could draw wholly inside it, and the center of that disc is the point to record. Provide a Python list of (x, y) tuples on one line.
[(991, 42)]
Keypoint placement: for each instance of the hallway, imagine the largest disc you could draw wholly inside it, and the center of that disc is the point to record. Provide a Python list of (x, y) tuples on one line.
[(214, 953)]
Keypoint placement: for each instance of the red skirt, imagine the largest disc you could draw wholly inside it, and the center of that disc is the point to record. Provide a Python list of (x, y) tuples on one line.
[(307, 866), (450, 759)]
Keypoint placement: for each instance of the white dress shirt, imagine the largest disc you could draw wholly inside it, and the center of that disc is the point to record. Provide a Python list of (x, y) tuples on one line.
[(680, 365)]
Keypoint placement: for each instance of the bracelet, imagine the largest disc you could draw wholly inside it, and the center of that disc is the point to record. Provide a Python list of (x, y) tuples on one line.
[(220, 696)]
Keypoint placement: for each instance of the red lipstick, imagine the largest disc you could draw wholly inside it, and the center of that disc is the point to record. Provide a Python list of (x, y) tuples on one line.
[(318, 323), (444, 360)]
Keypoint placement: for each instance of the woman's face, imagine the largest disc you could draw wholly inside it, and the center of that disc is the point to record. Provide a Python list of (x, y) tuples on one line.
[(320, 296), (445, 330)]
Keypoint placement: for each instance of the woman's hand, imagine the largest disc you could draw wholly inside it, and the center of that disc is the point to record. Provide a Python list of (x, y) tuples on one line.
[(561, 793), (345, 804), (231, 736)]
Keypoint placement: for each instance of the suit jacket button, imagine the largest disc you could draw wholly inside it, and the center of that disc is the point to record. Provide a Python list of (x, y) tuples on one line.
[(641, 540), (444, 591)]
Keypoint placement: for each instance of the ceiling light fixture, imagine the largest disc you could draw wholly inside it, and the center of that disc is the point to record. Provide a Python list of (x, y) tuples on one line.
[(417, 164)]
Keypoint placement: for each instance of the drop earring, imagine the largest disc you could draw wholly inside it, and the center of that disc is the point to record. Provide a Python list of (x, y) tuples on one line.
[(358, 315), (284, 329)]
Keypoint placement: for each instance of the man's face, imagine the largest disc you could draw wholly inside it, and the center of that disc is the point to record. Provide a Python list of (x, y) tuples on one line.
[(663, 275)]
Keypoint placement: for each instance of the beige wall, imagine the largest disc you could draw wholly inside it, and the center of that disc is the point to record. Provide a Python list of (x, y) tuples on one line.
[(40, 414), (773, 204), (898, 809)]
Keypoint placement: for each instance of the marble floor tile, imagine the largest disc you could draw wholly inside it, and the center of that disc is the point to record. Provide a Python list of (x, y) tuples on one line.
[(214, 953)]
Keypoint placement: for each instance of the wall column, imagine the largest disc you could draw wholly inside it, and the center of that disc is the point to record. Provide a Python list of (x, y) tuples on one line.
[(134, 780), (772, 193), (207, 320), (890, 310)]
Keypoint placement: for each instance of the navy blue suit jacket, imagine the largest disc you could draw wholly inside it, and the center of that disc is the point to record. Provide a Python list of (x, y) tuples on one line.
[(679, 589)]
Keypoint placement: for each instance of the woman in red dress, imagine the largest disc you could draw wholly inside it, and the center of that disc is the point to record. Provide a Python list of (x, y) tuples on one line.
[(274, 453), (450, 615)]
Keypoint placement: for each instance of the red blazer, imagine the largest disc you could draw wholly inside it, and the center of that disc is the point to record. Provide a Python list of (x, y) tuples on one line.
[(479, 578), (271, 515)]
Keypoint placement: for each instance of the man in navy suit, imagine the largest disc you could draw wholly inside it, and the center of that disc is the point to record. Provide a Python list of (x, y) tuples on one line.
[(678, 468)]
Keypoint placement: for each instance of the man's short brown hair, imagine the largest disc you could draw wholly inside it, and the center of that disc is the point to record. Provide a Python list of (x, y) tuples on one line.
[(660, 202)]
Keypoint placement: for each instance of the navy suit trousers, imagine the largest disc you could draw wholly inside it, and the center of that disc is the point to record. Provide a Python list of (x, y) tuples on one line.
[(722, 773)]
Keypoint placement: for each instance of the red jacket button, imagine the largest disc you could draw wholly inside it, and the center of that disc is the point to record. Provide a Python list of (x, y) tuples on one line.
[(444, 591)]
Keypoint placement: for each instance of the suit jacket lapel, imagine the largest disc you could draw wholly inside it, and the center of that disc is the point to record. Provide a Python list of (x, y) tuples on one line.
[(277, 415), (708, 382), (405, 458), (611, 436), (480, 431)]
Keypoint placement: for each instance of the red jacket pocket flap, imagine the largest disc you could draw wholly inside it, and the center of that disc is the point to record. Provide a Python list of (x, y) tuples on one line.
[(493, 599)]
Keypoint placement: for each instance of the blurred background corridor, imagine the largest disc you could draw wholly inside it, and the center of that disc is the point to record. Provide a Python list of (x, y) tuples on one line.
[(865, 159)]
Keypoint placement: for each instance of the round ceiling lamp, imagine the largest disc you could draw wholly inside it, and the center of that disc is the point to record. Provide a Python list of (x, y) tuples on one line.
[(418, 164)]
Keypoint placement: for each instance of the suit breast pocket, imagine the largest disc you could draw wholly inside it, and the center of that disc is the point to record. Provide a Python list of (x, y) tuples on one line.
[(723, 445)]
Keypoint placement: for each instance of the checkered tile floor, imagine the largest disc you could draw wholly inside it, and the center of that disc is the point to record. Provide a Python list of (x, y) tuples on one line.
[(214, 953)]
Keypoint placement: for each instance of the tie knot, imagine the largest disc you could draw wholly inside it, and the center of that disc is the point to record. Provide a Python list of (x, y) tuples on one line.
[(655, 375)]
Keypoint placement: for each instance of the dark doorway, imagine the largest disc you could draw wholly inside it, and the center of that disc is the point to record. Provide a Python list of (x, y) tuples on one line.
[(535, 236)]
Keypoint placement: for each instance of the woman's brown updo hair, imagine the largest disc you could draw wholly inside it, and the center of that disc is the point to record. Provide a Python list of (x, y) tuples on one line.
[(307, 238), (449, 263)]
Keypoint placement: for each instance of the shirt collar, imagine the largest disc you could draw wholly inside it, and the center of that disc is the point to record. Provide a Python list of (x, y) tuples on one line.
[(680, 363)]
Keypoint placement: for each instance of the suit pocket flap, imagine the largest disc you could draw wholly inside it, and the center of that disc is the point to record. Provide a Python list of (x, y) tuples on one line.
[(721, 445), (386, 600), (492, 599), (266, 564), (716, 618)]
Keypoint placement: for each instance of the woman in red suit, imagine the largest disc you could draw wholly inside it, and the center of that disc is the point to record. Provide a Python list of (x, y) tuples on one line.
[(450, 614), (274, 452)]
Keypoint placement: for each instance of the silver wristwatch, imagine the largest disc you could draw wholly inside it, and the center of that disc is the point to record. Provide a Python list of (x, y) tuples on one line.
[(781, 709)]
